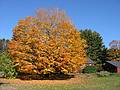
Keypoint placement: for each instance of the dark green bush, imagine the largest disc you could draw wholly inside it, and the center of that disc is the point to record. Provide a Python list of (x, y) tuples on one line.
[(103, 74), (7, 69), (90, 69)]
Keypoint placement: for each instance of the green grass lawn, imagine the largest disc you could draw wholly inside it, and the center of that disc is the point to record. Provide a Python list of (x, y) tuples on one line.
[(93, 83)]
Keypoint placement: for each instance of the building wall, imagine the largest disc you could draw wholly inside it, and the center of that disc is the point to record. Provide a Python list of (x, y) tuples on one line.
[(118, 70), (109, 67)]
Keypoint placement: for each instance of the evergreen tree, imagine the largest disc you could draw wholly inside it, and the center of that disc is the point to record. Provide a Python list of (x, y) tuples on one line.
[(96, 50)]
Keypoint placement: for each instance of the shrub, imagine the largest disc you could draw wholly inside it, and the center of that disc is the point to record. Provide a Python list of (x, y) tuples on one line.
[(99, 67), (90, 69), (103, 74), (48, 43), (7, 69)]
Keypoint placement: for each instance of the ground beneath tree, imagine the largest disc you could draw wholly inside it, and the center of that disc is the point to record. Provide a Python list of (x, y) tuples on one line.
[(13, 84)]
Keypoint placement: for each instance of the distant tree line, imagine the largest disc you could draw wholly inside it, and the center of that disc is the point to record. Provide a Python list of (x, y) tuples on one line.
[(3, 45)]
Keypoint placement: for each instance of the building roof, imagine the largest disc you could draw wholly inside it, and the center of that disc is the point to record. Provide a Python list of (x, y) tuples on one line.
[(90, 61), (115, 63)]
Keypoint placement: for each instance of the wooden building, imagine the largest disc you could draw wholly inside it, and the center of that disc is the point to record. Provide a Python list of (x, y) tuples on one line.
[(112, 66)]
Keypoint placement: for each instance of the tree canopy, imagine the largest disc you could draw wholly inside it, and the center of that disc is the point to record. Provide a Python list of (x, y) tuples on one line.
[(115, 44), (96, 50), (47, 43), (113, 53)]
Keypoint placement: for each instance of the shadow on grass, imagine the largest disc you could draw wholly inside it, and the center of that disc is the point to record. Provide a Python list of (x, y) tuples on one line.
[(2, 83), (45, 77)]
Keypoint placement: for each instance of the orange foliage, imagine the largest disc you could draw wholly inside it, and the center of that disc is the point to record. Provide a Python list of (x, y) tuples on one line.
[(47, 43)]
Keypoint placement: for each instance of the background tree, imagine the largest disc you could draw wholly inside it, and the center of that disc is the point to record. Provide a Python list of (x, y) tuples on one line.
[(47, 43), (115, 44), (3, 45), (113, 52), (96, 50)]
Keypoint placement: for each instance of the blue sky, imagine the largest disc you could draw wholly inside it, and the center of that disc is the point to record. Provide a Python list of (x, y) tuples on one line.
[(102, 16)]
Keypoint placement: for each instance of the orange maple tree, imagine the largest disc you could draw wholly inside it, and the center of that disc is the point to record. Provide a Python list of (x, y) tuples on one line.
[(47, 43)]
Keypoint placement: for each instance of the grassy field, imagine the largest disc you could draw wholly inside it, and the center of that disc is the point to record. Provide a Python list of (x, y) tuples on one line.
[(86, 83)]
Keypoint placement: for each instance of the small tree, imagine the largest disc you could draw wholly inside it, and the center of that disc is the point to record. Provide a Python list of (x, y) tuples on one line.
[(47, 43)]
